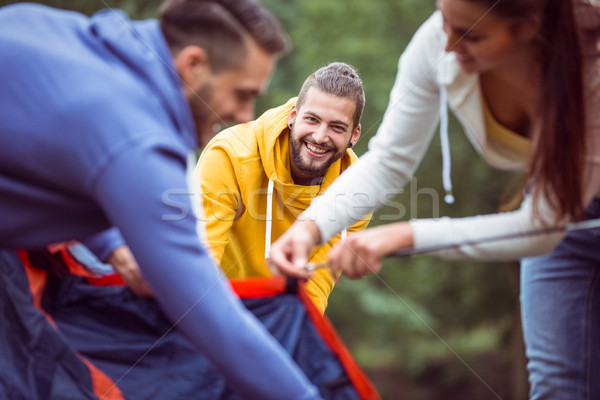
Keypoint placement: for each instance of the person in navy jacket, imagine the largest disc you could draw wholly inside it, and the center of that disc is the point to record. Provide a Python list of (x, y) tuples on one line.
[(98, 117)]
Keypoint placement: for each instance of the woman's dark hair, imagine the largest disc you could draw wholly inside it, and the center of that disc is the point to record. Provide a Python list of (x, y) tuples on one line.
[(222, 28), (568, 28)]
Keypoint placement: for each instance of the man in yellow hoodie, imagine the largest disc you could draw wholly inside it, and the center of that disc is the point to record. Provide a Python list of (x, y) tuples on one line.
[(255, 178)]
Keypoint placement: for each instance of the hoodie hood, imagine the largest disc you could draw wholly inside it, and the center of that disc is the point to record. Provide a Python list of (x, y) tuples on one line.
[(272, 134), (141, 45)]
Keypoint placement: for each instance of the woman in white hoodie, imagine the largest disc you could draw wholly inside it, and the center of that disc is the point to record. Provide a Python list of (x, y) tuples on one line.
[(522, 78)]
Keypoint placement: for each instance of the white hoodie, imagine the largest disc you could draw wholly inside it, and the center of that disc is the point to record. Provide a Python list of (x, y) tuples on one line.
[(427, 73)]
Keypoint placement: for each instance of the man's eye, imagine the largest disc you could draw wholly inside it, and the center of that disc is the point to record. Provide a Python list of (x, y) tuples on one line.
[(244, 97)]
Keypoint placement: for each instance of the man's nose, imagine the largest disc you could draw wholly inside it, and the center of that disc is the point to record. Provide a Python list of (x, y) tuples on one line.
[(320, 135)]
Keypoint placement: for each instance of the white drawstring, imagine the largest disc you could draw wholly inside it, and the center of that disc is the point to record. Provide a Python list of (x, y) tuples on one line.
[(196, 197), (269, 220), (445, 143)]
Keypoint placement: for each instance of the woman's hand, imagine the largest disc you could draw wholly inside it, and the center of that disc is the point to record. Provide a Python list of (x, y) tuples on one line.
[(362, 252), (289, 254)]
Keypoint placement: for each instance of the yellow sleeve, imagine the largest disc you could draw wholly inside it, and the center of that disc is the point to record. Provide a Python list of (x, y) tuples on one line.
[(321, 284), (221, 198)]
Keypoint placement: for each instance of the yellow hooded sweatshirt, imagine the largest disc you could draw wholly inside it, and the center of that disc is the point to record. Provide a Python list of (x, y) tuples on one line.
[(234, 171)]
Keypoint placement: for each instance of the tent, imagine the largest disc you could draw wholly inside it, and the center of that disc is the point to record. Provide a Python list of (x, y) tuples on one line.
[(77, 335)]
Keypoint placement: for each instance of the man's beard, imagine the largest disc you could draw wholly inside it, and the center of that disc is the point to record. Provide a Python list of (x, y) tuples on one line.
[(204, 117), (314, 171)]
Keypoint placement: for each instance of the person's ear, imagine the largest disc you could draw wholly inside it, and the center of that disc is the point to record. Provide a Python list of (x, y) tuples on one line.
[(192, 66), (292, 116), (527, 30), (355, 136)]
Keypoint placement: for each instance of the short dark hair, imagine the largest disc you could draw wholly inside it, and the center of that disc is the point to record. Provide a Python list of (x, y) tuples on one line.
[(222, 28), (338, 79)]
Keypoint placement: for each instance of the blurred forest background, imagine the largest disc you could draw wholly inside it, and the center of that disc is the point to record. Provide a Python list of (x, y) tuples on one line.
[(424, 328)]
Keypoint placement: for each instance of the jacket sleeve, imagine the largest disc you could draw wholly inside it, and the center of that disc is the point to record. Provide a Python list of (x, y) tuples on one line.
[(221, 199), (485, 232), (104, 243), (143, 192), (320, 286), (524, 225), (397, 148)]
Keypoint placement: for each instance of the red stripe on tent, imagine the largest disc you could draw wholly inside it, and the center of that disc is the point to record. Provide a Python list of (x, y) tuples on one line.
[(37, 279), (362, 384), (78, 269), (251, 288), (104, 387)]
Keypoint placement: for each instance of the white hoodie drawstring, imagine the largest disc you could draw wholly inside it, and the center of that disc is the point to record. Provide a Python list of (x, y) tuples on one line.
[(445, 143), (196, 197), (269, 220)]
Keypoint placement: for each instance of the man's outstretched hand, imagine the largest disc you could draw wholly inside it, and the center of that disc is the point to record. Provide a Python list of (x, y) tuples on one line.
[(126, 266)]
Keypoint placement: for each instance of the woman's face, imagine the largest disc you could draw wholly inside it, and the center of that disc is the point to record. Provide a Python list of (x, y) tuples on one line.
[(481, 40)]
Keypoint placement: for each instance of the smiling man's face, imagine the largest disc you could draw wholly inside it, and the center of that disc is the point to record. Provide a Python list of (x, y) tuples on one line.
[(321, 132)]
